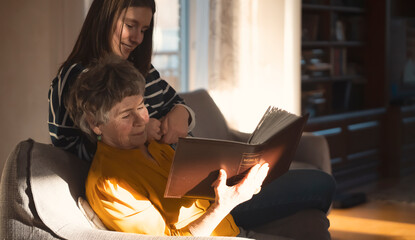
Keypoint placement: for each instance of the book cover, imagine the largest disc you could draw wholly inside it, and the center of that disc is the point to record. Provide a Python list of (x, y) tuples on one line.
[(197, 161)]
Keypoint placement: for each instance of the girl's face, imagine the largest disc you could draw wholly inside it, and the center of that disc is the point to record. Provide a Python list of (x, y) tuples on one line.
[(126, 127), (129, 32)]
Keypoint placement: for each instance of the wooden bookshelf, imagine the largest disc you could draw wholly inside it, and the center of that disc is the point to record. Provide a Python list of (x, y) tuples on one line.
[(334, 35), (401, 121), (334, 79), (362, 98), (400, 49), (318, 44), (323, 6), (347, 98)]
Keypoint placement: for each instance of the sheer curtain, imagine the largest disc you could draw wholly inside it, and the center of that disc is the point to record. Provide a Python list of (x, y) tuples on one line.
[(254, 58)]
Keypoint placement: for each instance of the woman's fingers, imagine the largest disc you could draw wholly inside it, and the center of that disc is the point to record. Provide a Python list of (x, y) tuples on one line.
[(153, 129), (257, 190), (260, 177), (231, 196), (254, 179), (221, 180), (262, 173), (164, 126), (251, 174), (257, 173)]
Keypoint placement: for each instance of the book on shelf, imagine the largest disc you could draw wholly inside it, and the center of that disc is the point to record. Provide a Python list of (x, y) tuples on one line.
[(310, 27), (197, 161), (339, 58), (320, 66), (314, 63)]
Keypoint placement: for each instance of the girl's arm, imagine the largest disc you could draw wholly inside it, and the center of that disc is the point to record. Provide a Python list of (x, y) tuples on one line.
[(165, 104), (175, 124), (62, 131)]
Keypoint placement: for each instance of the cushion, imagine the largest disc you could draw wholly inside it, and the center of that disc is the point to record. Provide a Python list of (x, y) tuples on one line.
[(90, 215), (57, 179)]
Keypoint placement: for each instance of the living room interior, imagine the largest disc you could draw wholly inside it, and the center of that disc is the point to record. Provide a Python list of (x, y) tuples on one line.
[(347, 63)]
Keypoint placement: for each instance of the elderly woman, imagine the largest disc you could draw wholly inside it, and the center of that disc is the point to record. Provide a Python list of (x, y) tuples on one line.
[(128, 175)]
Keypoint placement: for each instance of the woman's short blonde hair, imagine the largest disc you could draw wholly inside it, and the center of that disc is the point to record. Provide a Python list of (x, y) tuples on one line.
[(99, 88)]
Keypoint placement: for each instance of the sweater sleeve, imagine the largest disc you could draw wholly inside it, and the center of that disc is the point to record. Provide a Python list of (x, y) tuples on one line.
[(160, 97), (125, 209), (62, 131)]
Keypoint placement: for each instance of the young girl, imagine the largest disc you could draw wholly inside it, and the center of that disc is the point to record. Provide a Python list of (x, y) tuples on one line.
[(123, 27)]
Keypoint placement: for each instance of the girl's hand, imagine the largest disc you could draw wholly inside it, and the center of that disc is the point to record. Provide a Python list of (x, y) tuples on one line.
[(228, 197), (153, 129), (174, 125)]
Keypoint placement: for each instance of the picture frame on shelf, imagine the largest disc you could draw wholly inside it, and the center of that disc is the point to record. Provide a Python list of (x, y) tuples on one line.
[(339, 31)]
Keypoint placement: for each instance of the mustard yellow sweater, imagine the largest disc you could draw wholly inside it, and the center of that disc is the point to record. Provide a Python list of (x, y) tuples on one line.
[(126, 191)]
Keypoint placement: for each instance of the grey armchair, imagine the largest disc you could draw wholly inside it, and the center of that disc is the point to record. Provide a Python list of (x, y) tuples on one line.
[(40, 185)]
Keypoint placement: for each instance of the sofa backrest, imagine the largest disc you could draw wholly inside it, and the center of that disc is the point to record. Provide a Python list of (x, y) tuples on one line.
[(18, 216), (39, 186), (210, 122)]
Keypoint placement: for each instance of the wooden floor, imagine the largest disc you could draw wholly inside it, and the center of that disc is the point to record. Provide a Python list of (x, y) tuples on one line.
[(374, 220)]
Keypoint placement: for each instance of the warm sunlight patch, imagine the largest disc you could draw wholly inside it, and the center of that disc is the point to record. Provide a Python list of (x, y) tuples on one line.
[(371, 226)]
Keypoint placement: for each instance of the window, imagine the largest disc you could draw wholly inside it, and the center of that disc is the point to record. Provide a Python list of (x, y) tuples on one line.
[(169, 55)]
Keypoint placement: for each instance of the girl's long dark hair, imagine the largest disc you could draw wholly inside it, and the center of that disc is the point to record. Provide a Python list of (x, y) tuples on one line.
[(94, 39)]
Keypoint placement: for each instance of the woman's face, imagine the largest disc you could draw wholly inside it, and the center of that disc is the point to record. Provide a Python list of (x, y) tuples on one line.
[(126, 128), (129, 32)]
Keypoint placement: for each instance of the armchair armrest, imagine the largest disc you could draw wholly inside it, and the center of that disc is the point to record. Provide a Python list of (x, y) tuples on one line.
[(314, 150)]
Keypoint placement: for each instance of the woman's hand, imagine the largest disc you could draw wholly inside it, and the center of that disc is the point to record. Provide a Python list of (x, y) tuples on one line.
[(228, 197), (153, 129), (174, 125)]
